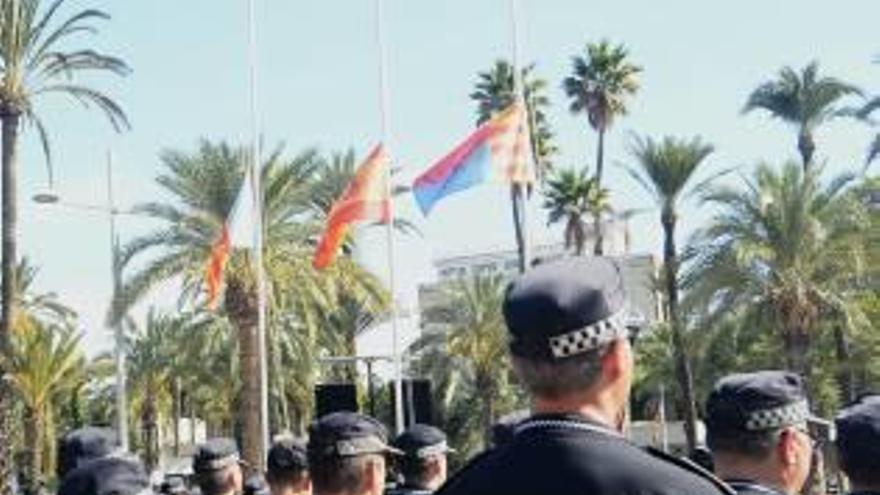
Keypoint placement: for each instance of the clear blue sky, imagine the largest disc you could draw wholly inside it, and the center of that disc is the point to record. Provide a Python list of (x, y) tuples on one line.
[(318, 87)]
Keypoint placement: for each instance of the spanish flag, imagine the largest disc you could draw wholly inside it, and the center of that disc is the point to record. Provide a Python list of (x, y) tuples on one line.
[(365, 198), (238, 231)]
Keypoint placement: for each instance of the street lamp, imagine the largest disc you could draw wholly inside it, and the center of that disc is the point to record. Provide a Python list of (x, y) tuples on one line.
[(50, 197)]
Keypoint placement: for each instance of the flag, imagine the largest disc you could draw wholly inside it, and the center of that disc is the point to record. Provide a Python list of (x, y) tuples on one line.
[(237, 231), (498, 151), (365, 198)]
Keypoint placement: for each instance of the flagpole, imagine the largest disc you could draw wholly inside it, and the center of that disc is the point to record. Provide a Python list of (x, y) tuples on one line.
[(386, 134), (522, 193), (256, 177)]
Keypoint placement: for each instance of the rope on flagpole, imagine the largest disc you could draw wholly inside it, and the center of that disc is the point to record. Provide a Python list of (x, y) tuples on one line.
[(256, 178), (386, 135)]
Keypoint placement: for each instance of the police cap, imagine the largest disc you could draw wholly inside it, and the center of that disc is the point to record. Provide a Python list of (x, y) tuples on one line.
[(759, 401), (858, 435), (566, 307), (215, 454), (106, 476), (347, 434), (287, 455), (420, 441), (85, 444)]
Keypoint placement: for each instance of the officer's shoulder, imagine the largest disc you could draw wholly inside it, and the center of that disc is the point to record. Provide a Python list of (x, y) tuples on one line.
[(471, 473), (690, 467)]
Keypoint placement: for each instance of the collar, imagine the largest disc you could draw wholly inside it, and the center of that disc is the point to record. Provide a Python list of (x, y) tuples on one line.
[(743, 484), (571, 421)]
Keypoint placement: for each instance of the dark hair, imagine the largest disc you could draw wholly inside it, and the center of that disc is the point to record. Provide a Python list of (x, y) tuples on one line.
[(415, 471), (339, 474), (862, 469), (285, 477), (216, 482), (756, 445), (562, 377)]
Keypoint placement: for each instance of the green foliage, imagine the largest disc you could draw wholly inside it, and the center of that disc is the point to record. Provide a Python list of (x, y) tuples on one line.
[(782, 250), (464, 352), (570, 196), (494, 91), (601, 81)]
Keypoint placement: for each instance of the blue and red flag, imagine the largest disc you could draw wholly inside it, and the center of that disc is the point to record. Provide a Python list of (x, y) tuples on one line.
[(498, 151)]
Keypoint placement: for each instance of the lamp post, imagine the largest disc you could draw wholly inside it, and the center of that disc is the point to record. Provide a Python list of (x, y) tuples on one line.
[(50, 197)]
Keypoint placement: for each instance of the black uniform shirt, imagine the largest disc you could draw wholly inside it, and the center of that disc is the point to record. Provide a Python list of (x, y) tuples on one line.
[(568, 454)]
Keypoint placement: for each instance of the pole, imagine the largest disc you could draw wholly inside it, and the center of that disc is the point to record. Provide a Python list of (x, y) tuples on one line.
[(386, 132), (116, 318), (522, 194), (258, 229)]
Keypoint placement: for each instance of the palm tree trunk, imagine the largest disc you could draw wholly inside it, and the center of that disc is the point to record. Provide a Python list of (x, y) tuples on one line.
[(598, 248), (149, 425), (178, 413), (600, 157), (845, 376), (806, 147), (11, 119), (33, 429), (517, 205), (683, 372)]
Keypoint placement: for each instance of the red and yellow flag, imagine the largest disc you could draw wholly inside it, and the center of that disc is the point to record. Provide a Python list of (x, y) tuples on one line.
[(365, 198), (216, 263)]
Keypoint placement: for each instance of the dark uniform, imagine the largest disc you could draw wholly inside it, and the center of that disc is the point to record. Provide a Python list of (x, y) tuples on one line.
[(557, 310), (755, 402), (417, 443), (107, 476), (858, 443)]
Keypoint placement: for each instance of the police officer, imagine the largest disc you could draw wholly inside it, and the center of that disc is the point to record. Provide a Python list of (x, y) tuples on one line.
[(858, 443), (85, 444), (254, 485), (570, 348), (346, 453), (423, 463), (173, 485), (287, 471), (217, 468), (758, 431), (106, 476)]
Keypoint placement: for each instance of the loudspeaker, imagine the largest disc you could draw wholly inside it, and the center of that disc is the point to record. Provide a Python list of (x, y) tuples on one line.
[(334, 397), (418, 404)]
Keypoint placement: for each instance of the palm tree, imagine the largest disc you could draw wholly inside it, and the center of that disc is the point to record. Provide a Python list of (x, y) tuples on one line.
[(600, 83), (784, 247), (470, 327), (665, 170), (569, 196), (204, 186), (804, 100), (43, 362), (35, 63), (493, 92), (151, 355)]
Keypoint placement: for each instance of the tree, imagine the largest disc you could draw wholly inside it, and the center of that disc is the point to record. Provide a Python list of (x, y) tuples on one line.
[(805, 100), (665, 170), (43, 362), (493, 92), (786, 248), (601, 81), (569, 196), (470, 328), (204, 186), (34, 63)]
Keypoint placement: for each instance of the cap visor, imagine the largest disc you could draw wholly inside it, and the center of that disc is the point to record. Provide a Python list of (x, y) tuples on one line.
[(393, 451)]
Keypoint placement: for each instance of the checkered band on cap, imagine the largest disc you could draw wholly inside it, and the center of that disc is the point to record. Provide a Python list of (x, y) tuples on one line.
[(216, 464), (767, 419), (589, 337), (440, 448)]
